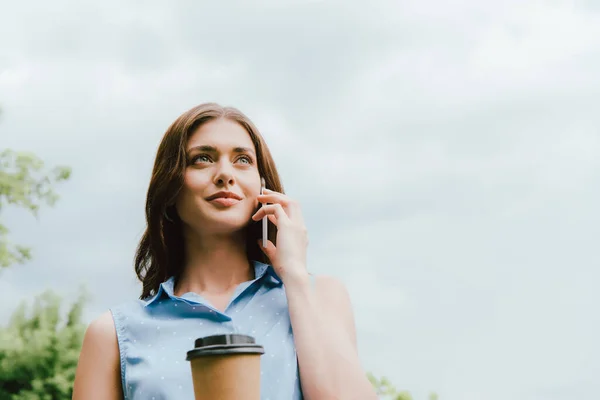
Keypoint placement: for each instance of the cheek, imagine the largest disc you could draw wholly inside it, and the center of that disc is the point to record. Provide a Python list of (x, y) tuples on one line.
[(194, 185), (251, 195), (194, 182)]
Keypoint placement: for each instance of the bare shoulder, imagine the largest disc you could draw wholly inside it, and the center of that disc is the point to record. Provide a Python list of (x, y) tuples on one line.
[(103, 329), (102, 334), (98, 370)]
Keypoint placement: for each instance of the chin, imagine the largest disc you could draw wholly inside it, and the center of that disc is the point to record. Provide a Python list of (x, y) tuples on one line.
[(221, 223), (229, 225)]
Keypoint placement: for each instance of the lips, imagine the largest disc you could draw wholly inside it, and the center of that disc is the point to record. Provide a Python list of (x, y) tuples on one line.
[(224, 195), (225, 201)]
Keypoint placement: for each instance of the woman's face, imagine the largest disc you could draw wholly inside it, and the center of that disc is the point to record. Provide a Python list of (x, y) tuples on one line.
[(221, 158)]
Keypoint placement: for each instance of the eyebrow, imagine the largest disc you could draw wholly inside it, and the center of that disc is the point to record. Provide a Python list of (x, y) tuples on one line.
[(212, 149)]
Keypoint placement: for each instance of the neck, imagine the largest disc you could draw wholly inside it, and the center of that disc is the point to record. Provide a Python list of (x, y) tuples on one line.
[(214, 264)]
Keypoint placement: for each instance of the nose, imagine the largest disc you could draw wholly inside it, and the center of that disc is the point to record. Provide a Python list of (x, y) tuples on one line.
[(224, 175)]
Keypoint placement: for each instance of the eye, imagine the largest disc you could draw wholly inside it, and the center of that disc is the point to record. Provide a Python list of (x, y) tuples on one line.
[(248, 159), (201, 158)]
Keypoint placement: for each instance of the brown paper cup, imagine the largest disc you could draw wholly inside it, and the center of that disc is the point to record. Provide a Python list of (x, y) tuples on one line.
[(226, 367)]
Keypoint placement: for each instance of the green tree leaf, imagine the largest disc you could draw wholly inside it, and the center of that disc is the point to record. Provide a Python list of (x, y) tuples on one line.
[(39, 349), (25, 183), (386, 390)]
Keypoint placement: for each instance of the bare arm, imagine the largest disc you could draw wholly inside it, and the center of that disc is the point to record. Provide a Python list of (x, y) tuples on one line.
[(325, 338), (98, 373)]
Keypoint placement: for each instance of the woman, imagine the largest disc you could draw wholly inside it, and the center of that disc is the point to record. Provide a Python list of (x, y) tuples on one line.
[(204, 271)]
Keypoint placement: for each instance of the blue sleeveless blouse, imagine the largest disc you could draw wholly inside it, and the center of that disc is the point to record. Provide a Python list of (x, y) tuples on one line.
[(155, 334)]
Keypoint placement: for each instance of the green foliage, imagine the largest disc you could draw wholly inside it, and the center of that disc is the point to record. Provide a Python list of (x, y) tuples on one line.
[(39, 350), (25, 183), (382, 386), (385, 389)]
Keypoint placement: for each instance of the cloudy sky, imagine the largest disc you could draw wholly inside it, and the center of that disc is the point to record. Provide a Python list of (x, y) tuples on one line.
[(446, 155)]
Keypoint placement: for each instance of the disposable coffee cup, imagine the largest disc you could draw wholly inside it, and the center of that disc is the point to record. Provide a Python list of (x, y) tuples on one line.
[(226, 367)]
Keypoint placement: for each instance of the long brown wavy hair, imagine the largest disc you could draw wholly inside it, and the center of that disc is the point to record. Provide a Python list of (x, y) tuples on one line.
[(160, 253)]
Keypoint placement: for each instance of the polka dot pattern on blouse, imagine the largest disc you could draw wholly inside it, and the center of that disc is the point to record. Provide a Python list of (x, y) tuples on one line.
[(155, 334)]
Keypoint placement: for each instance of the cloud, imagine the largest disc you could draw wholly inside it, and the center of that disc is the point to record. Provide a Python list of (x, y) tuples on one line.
[(445, 155)]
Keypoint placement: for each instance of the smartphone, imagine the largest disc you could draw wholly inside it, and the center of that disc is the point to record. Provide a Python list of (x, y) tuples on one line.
[(264, 220)]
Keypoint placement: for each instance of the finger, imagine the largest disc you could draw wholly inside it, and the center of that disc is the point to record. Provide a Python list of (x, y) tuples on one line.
[(291, 207), (272, 197), (271, 218), (269, 251), (271, 209), (286, 202), (296, 212)]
